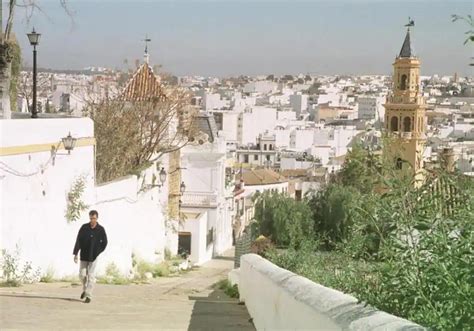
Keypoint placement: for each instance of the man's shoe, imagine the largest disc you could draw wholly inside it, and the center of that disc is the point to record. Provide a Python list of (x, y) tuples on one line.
[(83, 295), (87, 300)]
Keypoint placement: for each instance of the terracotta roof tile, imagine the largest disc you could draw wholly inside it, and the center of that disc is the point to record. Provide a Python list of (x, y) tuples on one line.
[(262, 177), (143, 86)]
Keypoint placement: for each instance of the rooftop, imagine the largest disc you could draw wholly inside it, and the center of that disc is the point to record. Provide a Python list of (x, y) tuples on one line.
[(262, 177), (143, 86)]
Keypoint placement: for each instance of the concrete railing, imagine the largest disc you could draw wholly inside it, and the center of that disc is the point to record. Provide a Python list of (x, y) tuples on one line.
[(278, 299), (199, 199)]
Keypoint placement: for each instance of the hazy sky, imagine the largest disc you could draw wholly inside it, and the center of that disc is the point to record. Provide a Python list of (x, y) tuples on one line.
[(225, 37)]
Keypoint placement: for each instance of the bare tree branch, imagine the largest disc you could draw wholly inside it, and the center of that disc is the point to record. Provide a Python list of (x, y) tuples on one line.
[(132, 135)]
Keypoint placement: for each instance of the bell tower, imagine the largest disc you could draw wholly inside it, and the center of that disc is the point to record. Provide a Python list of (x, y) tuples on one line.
[(405, 111)]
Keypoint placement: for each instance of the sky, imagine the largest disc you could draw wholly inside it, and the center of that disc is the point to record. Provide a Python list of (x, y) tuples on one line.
[(232, 37)]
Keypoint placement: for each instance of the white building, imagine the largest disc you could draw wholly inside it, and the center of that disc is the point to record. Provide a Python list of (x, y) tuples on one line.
[(263, 87), (254, 121), (299, 103), (254, 181), (371, 108), (206, 203), (262, 154)]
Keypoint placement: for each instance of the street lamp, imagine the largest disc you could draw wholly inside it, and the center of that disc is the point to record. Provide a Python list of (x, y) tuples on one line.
[(34, 41)]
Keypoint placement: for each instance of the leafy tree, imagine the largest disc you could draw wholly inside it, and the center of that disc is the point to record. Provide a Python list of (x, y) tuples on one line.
[(286, 221), (332, 208), (361, 169)]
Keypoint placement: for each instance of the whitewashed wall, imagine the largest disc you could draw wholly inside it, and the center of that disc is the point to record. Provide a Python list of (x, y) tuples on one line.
[(277, 299), (33, 199), (134, 223), (280, 187), (33, 207), (205, 173), (198, 227), (255, 122)]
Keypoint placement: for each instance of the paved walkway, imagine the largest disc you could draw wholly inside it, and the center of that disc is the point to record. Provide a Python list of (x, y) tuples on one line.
[(187, 302)]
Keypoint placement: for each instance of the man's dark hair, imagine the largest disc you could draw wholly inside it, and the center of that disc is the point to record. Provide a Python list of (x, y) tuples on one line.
[(94, 213)]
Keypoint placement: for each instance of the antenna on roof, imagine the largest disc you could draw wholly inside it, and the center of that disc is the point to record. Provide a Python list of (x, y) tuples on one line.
[(146, 56)]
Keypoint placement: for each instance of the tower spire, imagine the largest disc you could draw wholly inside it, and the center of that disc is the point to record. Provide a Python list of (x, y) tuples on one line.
[(146, 56), (407, 49)]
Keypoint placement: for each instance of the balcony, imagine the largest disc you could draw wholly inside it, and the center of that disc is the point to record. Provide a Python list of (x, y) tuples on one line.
[(199, 200), (406, 135)]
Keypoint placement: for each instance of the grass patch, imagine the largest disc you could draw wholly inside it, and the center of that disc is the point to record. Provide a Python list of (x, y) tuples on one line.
[(10, 283), (48, 277), (113, 276), (229, 289)]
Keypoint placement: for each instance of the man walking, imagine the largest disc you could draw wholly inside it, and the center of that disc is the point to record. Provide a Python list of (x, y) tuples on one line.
[(91, 241)]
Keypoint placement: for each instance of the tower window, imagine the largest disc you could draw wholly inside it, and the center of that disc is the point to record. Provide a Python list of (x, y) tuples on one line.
[(398, 164), (407, 124), (394, 124), (403, 82)]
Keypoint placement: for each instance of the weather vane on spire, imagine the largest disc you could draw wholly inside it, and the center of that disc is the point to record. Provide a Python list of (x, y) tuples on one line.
[(411, 22), (146, 40)]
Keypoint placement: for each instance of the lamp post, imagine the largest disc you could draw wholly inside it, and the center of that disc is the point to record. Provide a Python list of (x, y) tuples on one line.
[(34, 40)]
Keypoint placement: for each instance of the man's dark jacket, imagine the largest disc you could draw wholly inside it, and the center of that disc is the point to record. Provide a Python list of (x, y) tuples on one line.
[(91, 242)]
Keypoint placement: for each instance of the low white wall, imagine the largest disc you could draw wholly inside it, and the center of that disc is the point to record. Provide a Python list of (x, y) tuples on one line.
[(278, 299)]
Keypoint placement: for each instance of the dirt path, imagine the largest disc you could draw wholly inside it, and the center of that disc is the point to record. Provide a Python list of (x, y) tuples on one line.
[(187, 302)]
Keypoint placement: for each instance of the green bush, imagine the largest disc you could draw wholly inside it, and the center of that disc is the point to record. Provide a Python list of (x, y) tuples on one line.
[(48, 277), (406, 251), (229, 289), (15, 273), (282, 219), (113, 276)]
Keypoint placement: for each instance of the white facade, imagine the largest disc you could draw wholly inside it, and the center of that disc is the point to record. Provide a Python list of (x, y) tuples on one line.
[(206, 203), (263, 87), (230, 122), (299, 103), (293, 163), (212, 101), (282, 138), (34, 192), (371, 108), (255, 121), (301, 140)]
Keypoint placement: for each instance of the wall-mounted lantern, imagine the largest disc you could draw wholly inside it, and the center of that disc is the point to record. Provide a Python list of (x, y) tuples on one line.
[(162, 176), (69, 142)]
